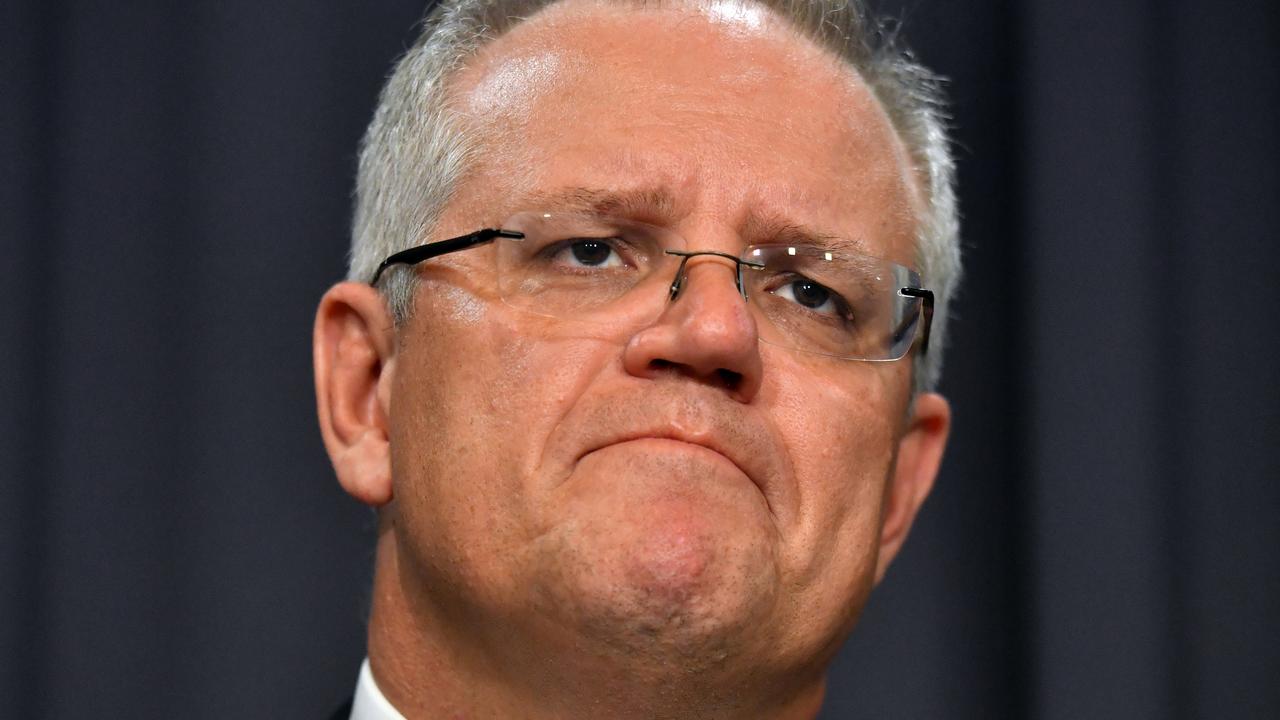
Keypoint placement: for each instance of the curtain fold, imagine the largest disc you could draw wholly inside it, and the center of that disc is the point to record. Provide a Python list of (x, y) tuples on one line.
[(174, 198)]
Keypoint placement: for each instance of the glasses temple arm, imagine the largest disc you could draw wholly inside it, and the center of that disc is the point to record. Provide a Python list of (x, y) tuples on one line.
[(927, 297), (415, 255)]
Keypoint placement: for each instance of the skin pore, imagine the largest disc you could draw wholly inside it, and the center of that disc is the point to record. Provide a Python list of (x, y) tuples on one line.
[(650, 518)]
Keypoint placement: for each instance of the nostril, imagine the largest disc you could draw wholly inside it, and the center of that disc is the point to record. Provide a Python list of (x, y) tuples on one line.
[(730, 379), (722, 377), (660, 364)]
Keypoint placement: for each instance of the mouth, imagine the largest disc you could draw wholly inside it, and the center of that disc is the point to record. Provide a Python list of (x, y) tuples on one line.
[(728, 442), (673, 441)]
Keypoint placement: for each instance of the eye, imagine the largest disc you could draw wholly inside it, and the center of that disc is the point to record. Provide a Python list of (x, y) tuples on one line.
[(812, 295), (589, 253)]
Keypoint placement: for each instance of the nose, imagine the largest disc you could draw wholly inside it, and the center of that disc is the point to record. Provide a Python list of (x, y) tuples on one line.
[(707, 332)]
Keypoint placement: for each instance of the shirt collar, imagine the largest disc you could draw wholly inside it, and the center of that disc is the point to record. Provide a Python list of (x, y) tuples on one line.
[(369, 702)]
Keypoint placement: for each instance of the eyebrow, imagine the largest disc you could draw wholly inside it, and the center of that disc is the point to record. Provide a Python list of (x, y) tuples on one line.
[(658, 204), (766, 229), (655, 203)]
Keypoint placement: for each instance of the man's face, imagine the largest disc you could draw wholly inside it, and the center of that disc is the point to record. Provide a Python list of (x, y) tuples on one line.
[(672, 486)]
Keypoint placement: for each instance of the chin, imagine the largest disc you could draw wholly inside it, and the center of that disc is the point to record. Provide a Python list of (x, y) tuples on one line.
[(673, 582)]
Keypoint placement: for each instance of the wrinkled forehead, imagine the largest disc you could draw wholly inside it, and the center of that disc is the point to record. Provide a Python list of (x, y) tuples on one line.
[(696, 75)]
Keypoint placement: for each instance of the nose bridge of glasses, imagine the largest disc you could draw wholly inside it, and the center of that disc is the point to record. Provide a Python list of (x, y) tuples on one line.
[(733, 263)]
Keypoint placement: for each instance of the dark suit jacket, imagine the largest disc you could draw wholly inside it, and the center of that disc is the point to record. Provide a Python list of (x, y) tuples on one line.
[(343, 712)]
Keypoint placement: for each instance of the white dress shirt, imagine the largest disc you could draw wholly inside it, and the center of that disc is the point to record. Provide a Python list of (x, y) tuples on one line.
[(369, 702)]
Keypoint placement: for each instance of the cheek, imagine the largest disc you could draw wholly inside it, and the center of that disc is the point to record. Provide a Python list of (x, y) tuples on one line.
[(459, 383), (836, 424), (446, 416), (841, 435), (476, 395)]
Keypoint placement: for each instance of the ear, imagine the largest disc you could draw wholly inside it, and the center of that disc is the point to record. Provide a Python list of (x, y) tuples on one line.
[(919, 456), (354, 355)]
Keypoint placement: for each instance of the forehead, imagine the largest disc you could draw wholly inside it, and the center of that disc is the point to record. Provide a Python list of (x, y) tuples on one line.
[(717, 107)]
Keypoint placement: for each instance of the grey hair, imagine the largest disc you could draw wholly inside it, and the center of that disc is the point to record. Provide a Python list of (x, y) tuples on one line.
[(415, 151)]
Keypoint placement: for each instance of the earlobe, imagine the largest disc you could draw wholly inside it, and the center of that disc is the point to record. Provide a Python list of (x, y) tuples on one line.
[(919, 457), (354, 355)]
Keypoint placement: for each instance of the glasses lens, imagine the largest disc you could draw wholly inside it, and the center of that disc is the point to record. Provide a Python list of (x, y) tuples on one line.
[(601, 269), (577, 265), (844, 305)]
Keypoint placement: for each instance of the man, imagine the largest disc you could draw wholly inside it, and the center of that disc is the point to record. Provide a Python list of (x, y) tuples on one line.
[(648, 425)]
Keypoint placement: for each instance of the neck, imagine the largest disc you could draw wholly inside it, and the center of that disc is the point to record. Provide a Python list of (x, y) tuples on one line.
[(430, 662)]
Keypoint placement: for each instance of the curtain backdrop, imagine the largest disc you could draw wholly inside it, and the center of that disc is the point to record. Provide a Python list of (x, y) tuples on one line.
[(174, 198)]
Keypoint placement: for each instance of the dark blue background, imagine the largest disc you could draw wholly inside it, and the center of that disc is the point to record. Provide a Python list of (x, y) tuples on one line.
[(174, 198)]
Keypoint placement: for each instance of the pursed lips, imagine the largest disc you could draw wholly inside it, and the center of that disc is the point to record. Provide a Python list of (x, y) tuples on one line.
[(739, 458)]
